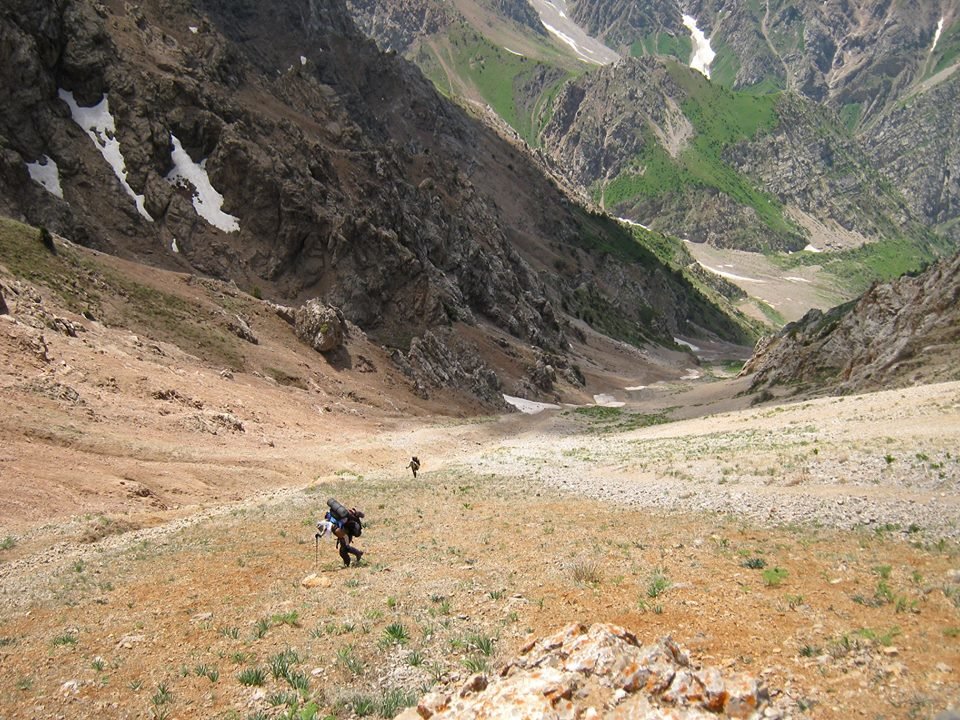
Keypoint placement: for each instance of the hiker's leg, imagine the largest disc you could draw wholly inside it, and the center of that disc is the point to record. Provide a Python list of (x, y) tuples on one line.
[(344, 553)]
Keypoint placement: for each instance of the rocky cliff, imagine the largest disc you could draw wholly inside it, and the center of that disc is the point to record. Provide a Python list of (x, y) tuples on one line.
[(896, 334), (273, 145)]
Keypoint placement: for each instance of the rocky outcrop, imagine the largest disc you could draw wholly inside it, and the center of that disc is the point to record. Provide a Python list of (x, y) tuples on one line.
[(896, 334), (398, 24), (598, 672), (440, 360)]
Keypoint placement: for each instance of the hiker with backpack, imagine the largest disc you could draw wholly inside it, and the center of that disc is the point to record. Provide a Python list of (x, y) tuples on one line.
[(414, 465), (344, 524)]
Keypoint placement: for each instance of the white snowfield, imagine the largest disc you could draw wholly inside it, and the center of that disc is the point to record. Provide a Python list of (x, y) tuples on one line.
[(529, 407), (206, 200), (98, 123), (936, 35), (46, 172), (553, 16), (703, 54)]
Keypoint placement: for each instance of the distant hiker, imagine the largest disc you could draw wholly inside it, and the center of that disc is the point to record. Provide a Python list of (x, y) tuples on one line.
[(414, 464), (344, 524)]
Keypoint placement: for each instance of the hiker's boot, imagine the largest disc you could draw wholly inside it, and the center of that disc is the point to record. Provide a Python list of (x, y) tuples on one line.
[(345, 554), (353, 551)]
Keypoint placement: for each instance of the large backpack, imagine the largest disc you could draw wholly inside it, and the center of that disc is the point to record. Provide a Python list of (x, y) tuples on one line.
[(350, 519)]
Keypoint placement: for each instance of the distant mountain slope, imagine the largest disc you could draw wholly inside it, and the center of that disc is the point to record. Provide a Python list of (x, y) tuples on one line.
[(900, 333), (343, 176)]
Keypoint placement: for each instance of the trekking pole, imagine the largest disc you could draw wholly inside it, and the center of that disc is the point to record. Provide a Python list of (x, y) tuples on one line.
[(316, 560)]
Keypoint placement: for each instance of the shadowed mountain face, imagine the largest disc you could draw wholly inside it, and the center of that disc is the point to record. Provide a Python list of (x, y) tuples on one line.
[(348, 177)]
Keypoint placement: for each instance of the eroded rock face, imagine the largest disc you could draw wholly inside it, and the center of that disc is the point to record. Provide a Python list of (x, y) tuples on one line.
[(322, 327), (895, 334), (598, 672)]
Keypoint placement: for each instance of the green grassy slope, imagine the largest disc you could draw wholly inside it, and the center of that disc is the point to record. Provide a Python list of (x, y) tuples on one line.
[(721, 118), (518, 88)]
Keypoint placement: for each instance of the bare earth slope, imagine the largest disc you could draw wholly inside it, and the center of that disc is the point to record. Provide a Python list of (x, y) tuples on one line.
[(157, 519)]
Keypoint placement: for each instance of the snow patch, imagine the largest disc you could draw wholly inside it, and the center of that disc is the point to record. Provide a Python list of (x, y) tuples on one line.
[(731, 276), (98, 123), (303, 60), (703, 54), (633, 223), (796, 279), (572, 43), (530, 407), (936, 35), (194, 29), (206, 200), (173, 246), (45, 172), (692, 374), (635, 388), (693, 347), (513, 52), (811, 248), (605, 400)]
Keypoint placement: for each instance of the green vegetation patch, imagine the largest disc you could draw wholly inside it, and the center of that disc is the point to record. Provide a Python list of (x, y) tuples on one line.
[(519, 89), (663, 43), (948, 48), (613, 419), (721, 118)]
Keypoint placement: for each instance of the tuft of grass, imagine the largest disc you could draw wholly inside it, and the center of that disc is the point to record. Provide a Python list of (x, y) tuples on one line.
[(67, 638), (8, 543), (395, 634), (658, 583), (252, 676), (349, 660), (415, 659), (772, 577), (482, 644), (754, 563), (291, 618), (261, 627), (476, 664), (230, 632), (586, 572)]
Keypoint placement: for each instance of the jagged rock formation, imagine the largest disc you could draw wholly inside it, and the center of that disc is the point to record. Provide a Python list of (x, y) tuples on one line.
[(598, 672), (347, 177), (899, 333)]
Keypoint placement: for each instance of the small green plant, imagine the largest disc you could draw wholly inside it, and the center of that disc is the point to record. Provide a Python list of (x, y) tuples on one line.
[(230, 632), (772, 577), (883, 571), (298, 680), (391, 602), (253, 676), (261, 627), (395, 634), (291, 618), (347, 658), (889, 458), (67, 638), (136, 685), (809, 651), (476, 664), (658, 583), (204, 670), (7, 543), (496, 594), (793, 601), (394, 700), (362, 705), (415, 659), (754, 563), (480, 643), (25, 683), (162, 696), (98, 664)]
